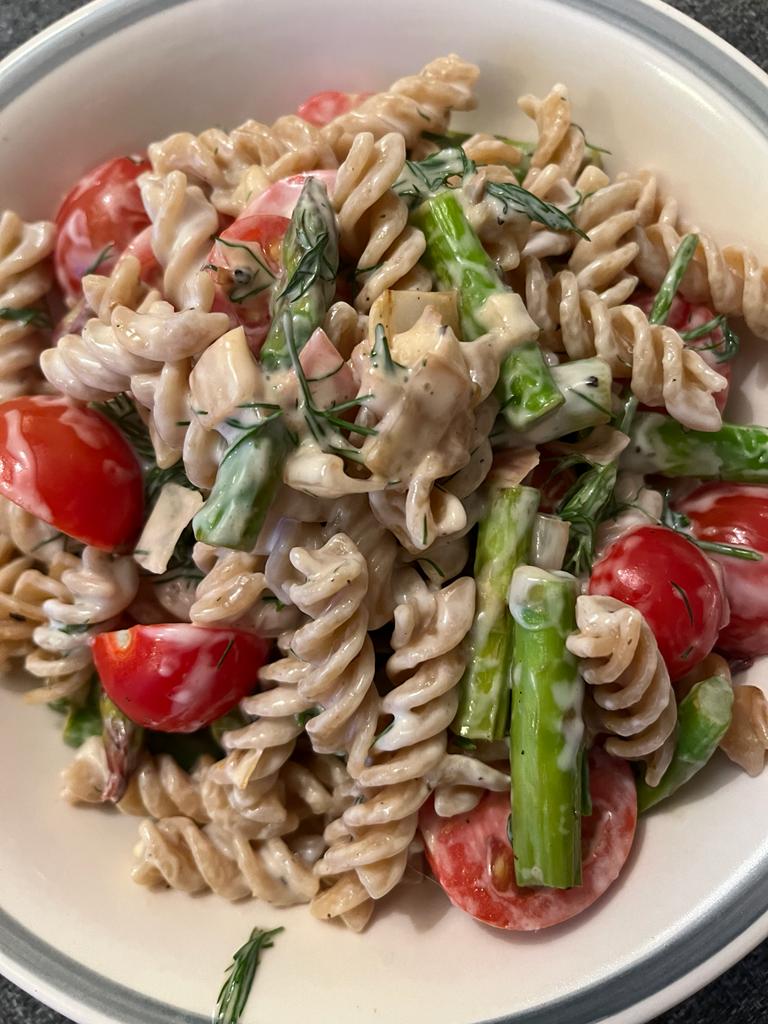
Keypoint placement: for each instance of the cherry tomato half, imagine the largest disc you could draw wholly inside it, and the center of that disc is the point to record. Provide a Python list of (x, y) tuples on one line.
[(737, 514), (100, 215), (69, 466), (280, 199), (471, 858), (245, 263), (323, 107), (673, 584), (177, 677)]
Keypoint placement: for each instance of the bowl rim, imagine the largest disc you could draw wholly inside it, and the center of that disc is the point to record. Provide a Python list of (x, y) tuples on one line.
[(726, 931)]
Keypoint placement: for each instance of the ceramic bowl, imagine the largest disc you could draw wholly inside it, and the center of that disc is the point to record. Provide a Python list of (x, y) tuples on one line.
[(659, 92)]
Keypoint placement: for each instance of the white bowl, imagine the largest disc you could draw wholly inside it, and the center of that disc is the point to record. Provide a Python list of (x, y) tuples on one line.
[(659, 91)]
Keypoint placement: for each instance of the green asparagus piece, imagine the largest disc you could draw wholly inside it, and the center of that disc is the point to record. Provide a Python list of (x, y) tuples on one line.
[(457, 258), (585, 385), (527, 386), (310, 266), (547, 731), (123, 743), (703, 718), (186, 748), (83, 720), (502, 544), (660, 444), (251, 470), (246, 483)]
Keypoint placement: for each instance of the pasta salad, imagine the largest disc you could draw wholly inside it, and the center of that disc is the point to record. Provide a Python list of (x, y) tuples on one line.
[(358, 472)]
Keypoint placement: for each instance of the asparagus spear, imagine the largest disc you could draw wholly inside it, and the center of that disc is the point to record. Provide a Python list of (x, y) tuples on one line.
[(529, 387), (457, 258), (83, 720), (503, 541), (703, 718), (585, 385), (123, 743), (660, 444), (547, 731), (251, 470), (310, 265), (245, 486)]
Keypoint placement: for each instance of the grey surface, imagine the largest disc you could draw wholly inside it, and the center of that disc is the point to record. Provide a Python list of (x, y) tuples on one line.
[(741, 995)]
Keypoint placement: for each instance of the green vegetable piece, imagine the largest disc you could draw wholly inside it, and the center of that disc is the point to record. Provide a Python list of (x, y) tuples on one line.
[(251, 470), (234, 719), (246, 482), (585, 385), (527, 386), (240, 975), (503, 542), (310, 267), (123, 743), (546, 737), (457, 258), (83, 720), (672, 279), (186, 748), (703, 718), (734, 453)]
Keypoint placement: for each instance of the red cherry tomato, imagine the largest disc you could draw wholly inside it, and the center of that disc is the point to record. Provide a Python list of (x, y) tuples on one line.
[(673, 584), (686, 316), (245, 262), (737, 514), (177, 677), (103, 209), (71, 467), (141, 248), (281, 198), (323, 107), (471, 858)]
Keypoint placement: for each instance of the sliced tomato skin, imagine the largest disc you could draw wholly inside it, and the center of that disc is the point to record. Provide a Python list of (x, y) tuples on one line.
[(262, 235), (103, 209), (69, 466), (737, 514), (178, 677), (280, 199), (471, 858), (323, 107)]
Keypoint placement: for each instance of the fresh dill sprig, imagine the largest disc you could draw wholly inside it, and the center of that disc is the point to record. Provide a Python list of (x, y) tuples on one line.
[(323, 424), (421, 179), (105, 254), (726, 349), (234, 993), (27, 316)]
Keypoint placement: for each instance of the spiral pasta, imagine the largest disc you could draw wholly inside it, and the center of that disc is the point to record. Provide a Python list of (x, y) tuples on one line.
[(236, 166), (183, 224), (663, 371), (373, 837), (631, 694), (412, 105), (373, 221), (560, 144), (25, 278), (731, 279), (78, 598), (158, 788)]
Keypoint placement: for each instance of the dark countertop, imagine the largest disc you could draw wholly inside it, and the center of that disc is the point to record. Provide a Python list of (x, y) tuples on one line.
[(741, 995)]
